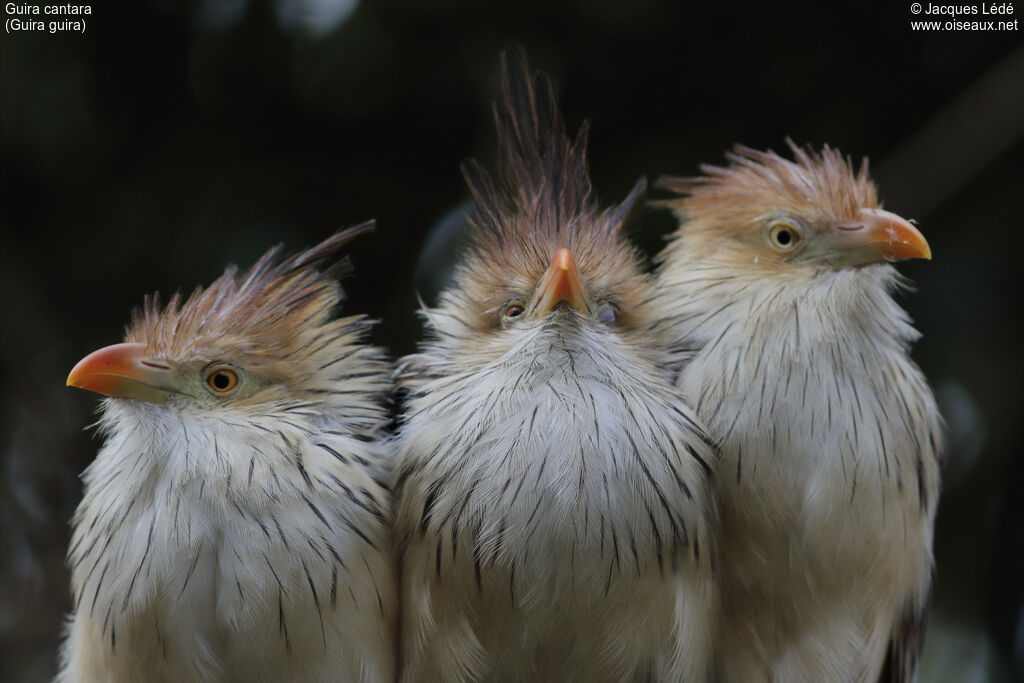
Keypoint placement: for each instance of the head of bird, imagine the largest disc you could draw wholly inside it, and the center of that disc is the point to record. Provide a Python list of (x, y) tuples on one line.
[(545, 261), (767, 214), (260, 343), (574, 281)]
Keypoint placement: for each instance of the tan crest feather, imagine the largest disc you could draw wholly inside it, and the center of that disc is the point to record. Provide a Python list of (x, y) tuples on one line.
[(824, 181), (541, 191), (268, 311)]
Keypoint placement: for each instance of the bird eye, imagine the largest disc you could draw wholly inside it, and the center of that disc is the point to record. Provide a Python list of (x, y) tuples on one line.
[(222, 380), (783, 235), (606, 313), (513, 310)]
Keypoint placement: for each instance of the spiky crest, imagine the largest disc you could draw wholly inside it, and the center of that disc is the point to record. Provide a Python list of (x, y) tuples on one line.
[(538, 200), (268, 312), (541, 192), (823, 184)]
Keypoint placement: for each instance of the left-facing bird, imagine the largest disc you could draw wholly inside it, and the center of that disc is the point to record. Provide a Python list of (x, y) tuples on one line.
[(232, 526)]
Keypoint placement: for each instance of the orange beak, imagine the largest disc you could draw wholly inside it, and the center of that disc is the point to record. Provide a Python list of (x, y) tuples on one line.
[(560, 283), (124, 371), (879, 236)]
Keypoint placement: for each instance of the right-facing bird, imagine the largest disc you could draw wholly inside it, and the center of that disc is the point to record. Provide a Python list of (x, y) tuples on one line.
[(777, 292)]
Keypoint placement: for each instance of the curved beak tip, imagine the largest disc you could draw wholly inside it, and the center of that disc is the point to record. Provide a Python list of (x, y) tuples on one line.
[(563, 260), (120, 370), (79, 375), (561, 282), (896, 238), (924, 249)]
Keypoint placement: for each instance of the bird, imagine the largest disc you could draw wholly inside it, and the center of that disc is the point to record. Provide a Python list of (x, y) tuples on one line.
[(551, 491), (235, 524), (777, 291)]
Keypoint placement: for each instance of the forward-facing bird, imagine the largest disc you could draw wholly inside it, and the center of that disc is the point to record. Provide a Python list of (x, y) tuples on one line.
[(232, 526), (777, 290), (551, 503)]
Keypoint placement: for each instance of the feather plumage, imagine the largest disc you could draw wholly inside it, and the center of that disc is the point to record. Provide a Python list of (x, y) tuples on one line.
[(798, 363), (550, 490), (241, 536)]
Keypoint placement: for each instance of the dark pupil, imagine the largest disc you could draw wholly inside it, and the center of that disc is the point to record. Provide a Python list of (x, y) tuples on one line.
[(221, 380), (783, 237), (513, 311)]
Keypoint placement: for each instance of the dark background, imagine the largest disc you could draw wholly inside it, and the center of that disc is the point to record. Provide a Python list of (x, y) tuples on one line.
[(174, 138)]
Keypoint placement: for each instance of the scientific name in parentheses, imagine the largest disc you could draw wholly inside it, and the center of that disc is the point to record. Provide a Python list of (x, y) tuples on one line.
[(49, 11), (956, 10)]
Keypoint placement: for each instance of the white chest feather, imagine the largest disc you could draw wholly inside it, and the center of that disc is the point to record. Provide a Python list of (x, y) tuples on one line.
[(553, 519), (207, 550), (559, 466), (820, 412), (828, 478)]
